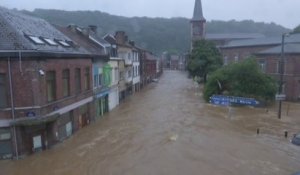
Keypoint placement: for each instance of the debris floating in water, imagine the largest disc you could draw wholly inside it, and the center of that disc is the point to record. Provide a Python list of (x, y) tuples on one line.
[(173, 138)]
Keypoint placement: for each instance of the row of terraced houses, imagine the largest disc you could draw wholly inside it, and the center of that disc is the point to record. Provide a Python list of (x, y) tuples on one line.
[(56, 80)]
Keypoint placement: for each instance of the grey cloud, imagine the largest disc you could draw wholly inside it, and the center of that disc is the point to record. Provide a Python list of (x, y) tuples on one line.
[(284, 12)]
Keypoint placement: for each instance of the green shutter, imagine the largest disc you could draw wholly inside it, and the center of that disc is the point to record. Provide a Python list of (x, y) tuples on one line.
[(107, 75)]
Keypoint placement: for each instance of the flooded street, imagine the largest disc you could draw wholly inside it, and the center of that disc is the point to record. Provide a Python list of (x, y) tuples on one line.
[(167, 129)]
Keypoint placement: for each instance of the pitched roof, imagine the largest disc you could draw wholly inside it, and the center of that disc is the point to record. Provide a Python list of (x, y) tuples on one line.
[(150, 56), (22, 32), (110, 39), (253, 42), (288, 49), (198, 13), (294, 38), (82, 40), (230, 36)]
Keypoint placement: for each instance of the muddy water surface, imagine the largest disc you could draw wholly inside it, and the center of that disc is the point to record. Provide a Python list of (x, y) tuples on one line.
[(167, 129)]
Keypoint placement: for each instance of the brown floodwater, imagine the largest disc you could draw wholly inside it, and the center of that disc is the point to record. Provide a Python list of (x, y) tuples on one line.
[(168, 129)]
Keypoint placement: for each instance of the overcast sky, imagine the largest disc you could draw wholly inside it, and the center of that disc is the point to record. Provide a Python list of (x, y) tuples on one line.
[(283, 12)]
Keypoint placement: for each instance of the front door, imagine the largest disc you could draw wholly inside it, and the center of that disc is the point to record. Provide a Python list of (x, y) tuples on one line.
[(37, 143)]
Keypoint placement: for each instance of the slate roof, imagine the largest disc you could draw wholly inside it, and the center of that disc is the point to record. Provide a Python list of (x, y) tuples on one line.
[(198, 13), (229, 36), (100, 40), (294, 38), (288, 49), (150, 56), (82, 40), (15, 28), (110, 39)]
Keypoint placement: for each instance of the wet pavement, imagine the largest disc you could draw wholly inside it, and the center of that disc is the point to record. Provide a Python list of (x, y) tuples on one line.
[(167, 129)]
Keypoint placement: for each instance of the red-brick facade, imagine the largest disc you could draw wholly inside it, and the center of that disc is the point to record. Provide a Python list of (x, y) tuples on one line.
[(269, 64), (30, 100)]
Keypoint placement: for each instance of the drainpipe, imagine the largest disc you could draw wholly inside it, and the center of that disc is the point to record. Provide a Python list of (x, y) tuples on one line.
[(20, 63), (12, 107)]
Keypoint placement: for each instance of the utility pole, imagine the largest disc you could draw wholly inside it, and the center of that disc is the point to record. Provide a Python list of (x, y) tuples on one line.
[(281, 73)]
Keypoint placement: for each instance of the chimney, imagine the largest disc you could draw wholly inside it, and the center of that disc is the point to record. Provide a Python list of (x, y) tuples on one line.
[(132, 43), (72, 27), (120, 37), (86, 31), (93, 28)]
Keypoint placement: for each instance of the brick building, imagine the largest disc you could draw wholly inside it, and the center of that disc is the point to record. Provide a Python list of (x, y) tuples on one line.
[(105, 97), (238, 46), (127, 51), (267, 52), (45, 85), (269, 61)]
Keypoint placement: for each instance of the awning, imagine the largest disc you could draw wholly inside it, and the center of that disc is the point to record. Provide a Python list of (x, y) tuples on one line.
[(99, 95), (30, 121)]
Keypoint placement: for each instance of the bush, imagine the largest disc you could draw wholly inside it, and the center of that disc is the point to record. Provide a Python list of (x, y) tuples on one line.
[(244, 79)]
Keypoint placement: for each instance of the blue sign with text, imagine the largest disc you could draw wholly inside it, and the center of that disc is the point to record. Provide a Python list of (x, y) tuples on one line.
[(228, 100)]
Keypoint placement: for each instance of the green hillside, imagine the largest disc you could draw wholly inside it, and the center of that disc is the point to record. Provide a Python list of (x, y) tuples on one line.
[(155, 34)]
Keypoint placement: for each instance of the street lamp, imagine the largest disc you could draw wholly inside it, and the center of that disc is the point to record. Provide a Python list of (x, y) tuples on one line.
[(281, 73)]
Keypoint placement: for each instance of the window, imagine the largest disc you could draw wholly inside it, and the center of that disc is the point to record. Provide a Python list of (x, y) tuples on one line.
[(50, 42), (5, 134), (262, 65), (225, 60), (96, 80), (284, 88), (66, 82), (129, 56), (100, 80), (63, 43), (236, 58), (87, 79), (121, 75), (5, 143), (51, 86), (129, 74), (3, 95), (116, 74), (36, 40), (136, 70), (77, 80), (280, 69)]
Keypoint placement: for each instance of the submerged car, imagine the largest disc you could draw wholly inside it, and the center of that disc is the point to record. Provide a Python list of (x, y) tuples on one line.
[(296, 139)]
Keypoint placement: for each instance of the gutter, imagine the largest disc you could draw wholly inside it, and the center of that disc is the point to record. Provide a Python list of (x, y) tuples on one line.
[(40, 53), (12, 106)]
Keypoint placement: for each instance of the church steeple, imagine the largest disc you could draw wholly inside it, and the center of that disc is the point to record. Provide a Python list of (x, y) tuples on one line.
[(197, 23), (198, 13)]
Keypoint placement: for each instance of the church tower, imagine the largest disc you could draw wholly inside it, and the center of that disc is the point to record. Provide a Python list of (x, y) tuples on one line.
[(197, 23)]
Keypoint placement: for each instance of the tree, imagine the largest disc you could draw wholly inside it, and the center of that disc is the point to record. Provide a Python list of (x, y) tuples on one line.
[(297, 29), (243, 79), (205, 58)]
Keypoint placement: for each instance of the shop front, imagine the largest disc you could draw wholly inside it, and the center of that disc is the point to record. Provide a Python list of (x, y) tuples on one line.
[(102, 104)]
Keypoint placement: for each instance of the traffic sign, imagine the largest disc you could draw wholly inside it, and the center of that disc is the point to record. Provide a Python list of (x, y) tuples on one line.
[(227, 100), (280, 97)]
